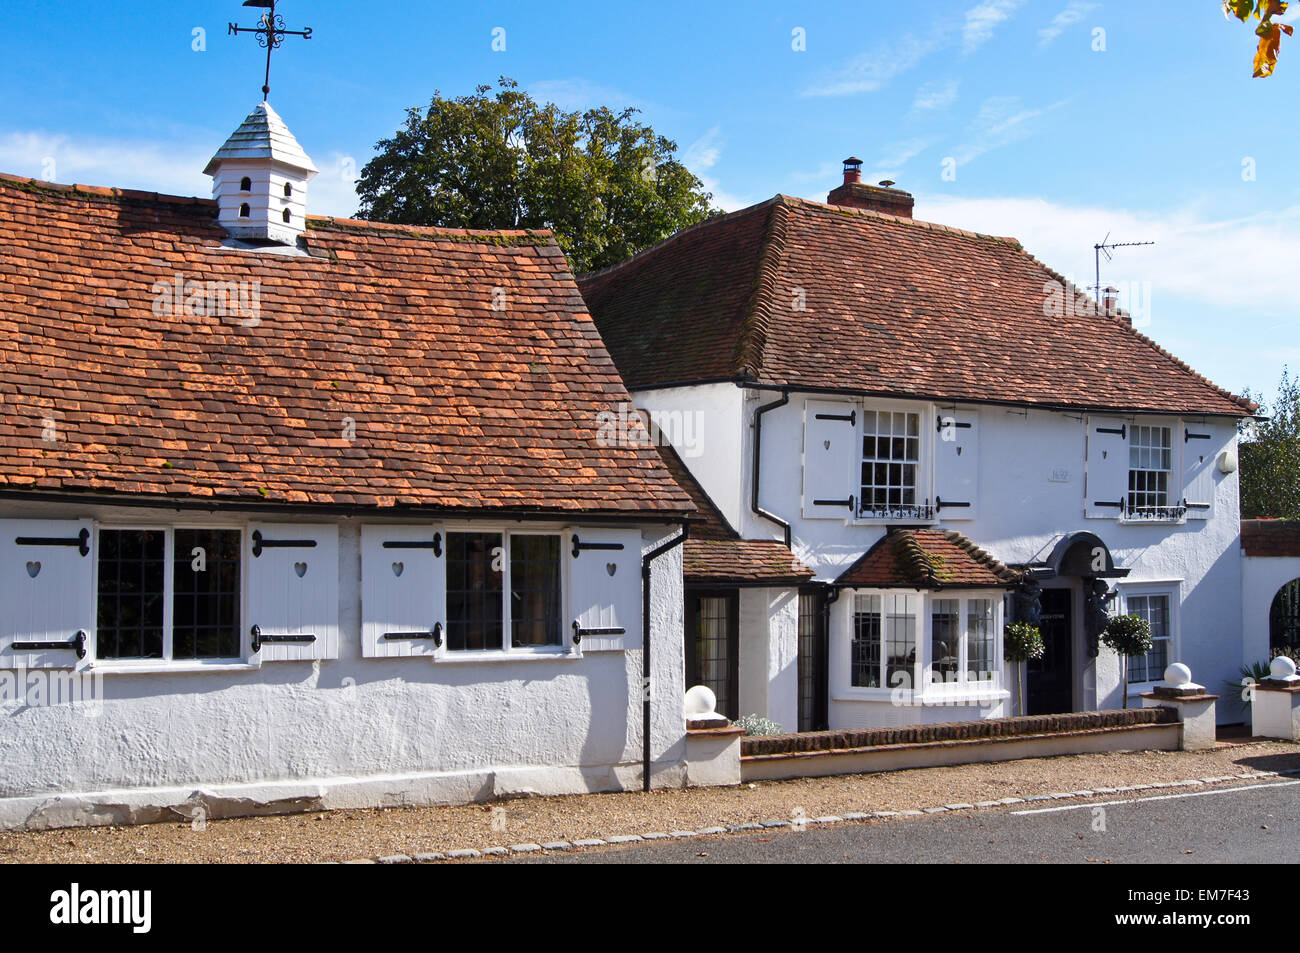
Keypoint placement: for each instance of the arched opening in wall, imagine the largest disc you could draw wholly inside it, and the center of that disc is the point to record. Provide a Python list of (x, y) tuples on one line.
[(288, 190), (245, 211), (285, 216), (245, 184), (1284, 618)]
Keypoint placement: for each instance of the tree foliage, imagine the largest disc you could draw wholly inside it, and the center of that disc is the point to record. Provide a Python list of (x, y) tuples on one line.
[(607, 185), (1270, 456), (1269, 33)]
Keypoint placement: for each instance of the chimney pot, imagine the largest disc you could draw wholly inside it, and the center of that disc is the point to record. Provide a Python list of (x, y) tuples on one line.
[(1110, 300), (854, 193)]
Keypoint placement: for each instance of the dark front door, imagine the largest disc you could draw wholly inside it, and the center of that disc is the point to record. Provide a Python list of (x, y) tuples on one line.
[(713, 645), (1050, 680), (812, 660)]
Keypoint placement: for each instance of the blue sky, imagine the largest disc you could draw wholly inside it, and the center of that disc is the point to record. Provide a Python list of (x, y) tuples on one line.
[(1058, 121)]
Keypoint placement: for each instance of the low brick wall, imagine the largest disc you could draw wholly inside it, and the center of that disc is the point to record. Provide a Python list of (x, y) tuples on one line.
[(990, 728)]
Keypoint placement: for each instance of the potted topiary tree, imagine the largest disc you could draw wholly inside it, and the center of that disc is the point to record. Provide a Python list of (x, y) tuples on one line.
[(1022, 642), (1128, 635)]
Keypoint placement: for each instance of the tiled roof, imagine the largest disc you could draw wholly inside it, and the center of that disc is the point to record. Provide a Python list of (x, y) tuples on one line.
[(926, 559), (802, 294), (375, 370), (715, 552), (1270, 537)]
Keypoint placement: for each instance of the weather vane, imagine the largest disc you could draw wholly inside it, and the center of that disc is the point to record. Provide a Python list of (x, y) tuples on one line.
[(270, 34)]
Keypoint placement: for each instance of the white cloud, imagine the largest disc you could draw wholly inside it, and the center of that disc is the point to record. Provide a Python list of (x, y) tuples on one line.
[(704, 152), (170, 168), (983, 19), (1186, 261), (578, 94), (1235, 327), (1001, 121), (1075, 11), (938, 94), (890, 163), (874, 69)]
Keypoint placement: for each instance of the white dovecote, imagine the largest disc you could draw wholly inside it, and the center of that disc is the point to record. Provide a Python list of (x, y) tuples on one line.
[(259, 179)]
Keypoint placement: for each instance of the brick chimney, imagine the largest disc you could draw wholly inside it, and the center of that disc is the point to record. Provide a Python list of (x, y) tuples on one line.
[(876, 198)]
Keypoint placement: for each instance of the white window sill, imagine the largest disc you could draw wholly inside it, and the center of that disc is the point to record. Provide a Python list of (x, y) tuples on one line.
[(1151, 522), (160, 667), (452, 657)]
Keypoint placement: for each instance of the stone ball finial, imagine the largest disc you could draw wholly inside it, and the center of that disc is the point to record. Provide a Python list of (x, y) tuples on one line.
[(700, 703), (1177, 675), (1282, 668)]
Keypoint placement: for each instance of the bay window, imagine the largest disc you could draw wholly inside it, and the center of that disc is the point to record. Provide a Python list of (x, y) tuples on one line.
[(895, 638)]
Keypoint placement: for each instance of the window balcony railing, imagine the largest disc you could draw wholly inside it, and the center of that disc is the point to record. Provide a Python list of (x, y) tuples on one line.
[(909, 511)]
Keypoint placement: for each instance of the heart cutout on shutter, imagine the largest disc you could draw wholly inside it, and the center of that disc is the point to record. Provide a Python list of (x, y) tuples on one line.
[(33, 569), (397, 568), (611, 568), (300, 569)]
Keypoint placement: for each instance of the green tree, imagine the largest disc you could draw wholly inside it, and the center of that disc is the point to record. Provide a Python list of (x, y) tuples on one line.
[(1270, 456), (607, 185)]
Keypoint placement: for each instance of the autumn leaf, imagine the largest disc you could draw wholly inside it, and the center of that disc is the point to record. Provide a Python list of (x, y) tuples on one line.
[(1270, 39)]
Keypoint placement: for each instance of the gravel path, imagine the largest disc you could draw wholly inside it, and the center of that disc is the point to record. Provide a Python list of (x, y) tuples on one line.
[(347, 835)]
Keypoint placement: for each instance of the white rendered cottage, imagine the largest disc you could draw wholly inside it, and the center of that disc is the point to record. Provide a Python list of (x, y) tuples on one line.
[(949, 436), (300, 512)]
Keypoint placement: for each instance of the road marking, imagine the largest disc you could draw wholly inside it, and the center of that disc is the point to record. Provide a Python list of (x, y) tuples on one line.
[(1158, 797)]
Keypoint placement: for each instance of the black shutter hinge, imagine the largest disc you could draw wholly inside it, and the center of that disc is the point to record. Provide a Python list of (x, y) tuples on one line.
[(81, 541), (579, 546), (435, 544), (435, 634), (77, 644), (850, 418), (260, 543), (579, 631), (259, 638)]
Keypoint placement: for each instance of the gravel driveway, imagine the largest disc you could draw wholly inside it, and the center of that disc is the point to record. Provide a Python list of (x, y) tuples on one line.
[(346, 835)]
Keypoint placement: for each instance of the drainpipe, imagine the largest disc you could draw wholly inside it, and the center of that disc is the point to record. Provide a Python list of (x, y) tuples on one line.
[(646, 560), (758, 458)]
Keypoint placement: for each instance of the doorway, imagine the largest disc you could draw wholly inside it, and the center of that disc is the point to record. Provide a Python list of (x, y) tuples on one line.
[(1050, 682)]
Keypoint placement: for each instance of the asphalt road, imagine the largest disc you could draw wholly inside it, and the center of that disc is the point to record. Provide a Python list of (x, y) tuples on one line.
[(1258, 823)]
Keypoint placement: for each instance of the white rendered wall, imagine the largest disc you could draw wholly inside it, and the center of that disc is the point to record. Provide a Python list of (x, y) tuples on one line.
[(704, 426), (769, 655), (463, 730), (1031, 492)]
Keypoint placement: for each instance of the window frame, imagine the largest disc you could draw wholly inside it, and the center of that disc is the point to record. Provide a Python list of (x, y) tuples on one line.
[(168, 661), (924, 491), (1173, 511), (507, 650), (1170, 589)]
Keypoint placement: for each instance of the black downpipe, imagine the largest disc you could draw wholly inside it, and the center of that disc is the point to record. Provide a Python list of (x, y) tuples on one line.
[(758, 463), (646, 560)]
